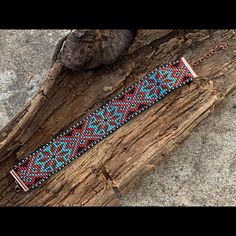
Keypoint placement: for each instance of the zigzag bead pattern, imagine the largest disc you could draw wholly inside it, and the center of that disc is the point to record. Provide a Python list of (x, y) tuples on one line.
[(36, 168)]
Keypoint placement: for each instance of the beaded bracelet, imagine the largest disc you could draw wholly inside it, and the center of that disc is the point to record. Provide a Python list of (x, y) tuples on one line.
[(36, 168)]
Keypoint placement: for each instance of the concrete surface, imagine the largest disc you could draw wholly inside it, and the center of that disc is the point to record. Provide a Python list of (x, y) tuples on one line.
[(24, 58), (200, 172)]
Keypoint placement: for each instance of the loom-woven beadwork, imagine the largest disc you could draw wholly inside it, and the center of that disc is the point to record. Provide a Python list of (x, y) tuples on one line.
[(50, 158)]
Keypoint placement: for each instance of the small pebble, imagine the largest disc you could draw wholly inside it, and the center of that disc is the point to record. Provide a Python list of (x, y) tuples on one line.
[(108, 89), (3, 134), (149, 168)]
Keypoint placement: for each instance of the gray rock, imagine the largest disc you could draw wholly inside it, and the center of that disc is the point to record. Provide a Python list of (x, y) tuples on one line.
[(88, 49)]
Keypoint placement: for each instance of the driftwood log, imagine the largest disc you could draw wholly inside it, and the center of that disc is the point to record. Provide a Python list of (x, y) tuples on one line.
[(103, 174)]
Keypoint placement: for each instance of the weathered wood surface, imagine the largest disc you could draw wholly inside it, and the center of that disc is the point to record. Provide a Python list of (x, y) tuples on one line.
[(105, 172)]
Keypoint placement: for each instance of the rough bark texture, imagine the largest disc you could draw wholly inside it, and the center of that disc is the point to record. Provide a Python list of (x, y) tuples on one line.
[(105, 172)]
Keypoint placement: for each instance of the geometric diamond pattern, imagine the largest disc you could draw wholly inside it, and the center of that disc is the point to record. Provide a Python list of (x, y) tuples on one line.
[(50, 158)]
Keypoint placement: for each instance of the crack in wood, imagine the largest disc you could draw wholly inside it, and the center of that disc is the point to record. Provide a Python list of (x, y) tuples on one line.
[(113, 184)]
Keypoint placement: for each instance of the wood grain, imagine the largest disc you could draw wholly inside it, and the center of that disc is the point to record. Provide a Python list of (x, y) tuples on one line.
[(107, 171)]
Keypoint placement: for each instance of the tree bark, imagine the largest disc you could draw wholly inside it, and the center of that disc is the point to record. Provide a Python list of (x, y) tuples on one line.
[(105, 172)]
